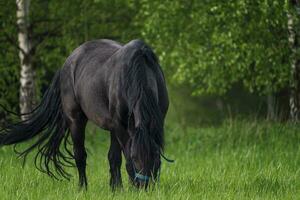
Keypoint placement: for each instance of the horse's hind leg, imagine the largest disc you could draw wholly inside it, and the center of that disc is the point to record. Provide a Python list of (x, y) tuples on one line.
[(77, 128), (76, 122), (115, 161)]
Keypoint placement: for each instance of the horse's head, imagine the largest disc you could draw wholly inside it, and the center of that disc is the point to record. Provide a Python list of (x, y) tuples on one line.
[(143, 159)]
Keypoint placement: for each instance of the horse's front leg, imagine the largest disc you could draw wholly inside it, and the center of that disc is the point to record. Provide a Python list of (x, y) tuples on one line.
[(115, 161)]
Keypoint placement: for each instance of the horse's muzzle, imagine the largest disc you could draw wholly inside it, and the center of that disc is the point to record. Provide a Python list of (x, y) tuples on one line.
[(141, 181)]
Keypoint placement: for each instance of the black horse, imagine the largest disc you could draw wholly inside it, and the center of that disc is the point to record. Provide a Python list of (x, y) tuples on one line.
[(121, 88)]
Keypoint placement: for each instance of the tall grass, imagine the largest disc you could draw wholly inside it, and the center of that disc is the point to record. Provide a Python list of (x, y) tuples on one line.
[(238, 160)]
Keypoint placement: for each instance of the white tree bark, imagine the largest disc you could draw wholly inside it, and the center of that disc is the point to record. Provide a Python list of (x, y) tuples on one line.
[(27, 87), (293, 18)]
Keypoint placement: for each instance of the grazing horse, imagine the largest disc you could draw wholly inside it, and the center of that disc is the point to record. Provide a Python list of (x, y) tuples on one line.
[(120, 88)]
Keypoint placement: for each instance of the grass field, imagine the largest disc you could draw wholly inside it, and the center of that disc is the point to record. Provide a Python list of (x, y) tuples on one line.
[(238, 160)]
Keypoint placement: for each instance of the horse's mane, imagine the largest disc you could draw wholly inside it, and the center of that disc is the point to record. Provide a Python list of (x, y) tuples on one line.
[(142, 103)]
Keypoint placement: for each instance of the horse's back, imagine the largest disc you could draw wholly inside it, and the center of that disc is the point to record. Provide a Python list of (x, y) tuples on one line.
[(91, 54)]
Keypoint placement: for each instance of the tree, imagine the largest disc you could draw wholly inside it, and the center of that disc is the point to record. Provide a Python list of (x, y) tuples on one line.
[(53, 29), (294, 38), (213, 45), (27, 87), (22, 33)]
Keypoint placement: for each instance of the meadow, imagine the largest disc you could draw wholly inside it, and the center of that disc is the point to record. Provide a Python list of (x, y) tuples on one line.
[(236, 160)]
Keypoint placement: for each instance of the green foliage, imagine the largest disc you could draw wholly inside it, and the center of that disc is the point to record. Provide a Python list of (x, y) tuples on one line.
[(211, 45), (9, 61), (239, 160), (57, 28)]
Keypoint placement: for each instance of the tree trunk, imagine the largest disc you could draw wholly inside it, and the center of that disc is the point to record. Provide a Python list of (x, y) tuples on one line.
[(293, 18), (27, 87), (272, 107)]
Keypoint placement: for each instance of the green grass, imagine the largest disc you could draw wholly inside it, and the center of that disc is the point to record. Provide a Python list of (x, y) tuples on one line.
[(238, 160)]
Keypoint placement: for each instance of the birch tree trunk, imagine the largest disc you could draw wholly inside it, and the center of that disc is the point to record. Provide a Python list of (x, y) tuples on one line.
[(293, 18), (27, 87)]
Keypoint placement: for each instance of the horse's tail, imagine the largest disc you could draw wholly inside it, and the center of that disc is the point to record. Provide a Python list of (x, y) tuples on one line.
[(48, 124), (142, 103)]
